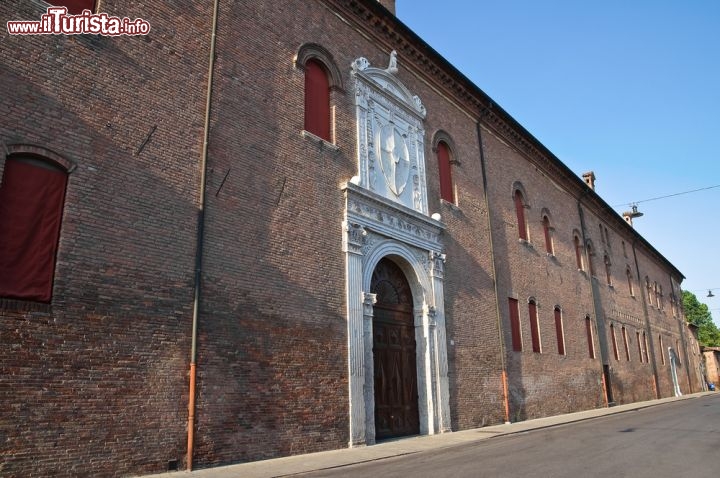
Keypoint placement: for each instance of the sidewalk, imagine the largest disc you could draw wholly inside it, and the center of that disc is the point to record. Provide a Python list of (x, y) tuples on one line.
[(292, 465)]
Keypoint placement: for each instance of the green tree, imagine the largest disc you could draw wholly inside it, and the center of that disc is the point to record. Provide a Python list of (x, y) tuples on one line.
[(699, 315)]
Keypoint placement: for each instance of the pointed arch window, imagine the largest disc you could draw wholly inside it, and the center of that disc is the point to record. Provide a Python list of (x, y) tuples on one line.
[(444, 159), (32, 197), (649, 290), (520, 213)]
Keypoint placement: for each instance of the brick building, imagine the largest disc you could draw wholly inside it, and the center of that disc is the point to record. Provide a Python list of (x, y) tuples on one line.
[(282, 227)]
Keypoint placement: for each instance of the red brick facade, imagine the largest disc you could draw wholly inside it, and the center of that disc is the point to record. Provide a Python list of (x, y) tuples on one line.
[(96, 382)]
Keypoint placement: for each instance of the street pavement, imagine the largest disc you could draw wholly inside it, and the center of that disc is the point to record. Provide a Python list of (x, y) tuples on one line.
[(298, 464)]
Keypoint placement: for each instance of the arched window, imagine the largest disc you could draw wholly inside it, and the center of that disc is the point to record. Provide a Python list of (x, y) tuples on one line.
[(534, 326), (646, 353), (639, 342), (520, 212), (578, 252), (444, 159), (75, 7), (559, 332), (649, 290), (548, 235), (628, 273), (32, 197), (317, 99)]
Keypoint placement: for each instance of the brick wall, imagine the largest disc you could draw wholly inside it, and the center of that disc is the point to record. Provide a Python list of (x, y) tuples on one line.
[(96, 383)]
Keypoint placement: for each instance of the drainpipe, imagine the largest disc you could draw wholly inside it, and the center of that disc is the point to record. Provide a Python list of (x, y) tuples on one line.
[(199, 243), (495, 284), (647, 320)]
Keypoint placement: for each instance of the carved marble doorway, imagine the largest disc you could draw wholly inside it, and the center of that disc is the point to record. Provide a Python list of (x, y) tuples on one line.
[(394, 354)]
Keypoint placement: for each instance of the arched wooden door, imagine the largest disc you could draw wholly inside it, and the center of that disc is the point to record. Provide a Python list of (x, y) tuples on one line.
[(395, 372)]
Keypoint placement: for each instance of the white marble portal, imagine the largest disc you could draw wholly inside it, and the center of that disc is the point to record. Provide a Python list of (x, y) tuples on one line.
[(386, 215)]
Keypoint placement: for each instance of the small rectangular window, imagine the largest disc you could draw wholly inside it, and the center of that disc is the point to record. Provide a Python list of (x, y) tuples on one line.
[(639, 343)]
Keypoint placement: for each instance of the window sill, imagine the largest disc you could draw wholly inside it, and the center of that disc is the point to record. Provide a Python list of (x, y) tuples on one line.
[(526, 243), (17, 305), (317, 139), (450, 204)]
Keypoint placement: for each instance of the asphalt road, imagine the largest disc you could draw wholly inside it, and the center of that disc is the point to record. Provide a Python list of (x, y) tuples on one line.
[(679, 439)]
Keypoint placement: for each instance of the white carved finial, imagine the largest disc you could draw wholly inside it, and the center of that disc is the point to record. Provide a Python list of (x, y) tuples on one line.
[(360, 64), (392, 66)]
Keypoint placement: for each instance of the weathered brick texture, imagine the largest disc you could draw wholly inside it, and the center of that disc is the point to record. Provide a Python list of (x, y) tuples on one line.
[(96, 383)]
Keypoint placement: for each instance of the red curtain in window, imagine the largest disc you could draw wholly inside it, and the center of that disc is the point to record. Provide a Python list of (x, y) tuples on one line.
[(31, 204), (515, 325), (588, 331), (534, 330), (520, 211), (75, 7), (559, 332), (317, 100), (443, 158)]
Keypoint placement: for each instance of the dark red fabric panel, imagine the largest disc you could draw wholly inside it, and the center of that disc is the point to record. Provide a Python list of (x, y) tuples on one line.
[(31, 204), (515, 325), (534, 330), (520, 211), (446, 186), (559, 332), (317, 100), (75, 7), (588, 331)]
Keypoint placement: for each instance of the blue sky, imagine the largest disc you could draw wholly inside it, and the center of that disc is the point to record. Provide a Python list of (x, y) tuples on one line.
[(627, 89)]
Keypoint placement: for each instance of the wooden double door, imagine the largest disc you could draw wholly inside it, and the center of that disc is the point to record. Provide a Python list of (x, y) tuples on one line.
[(394, 354)]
